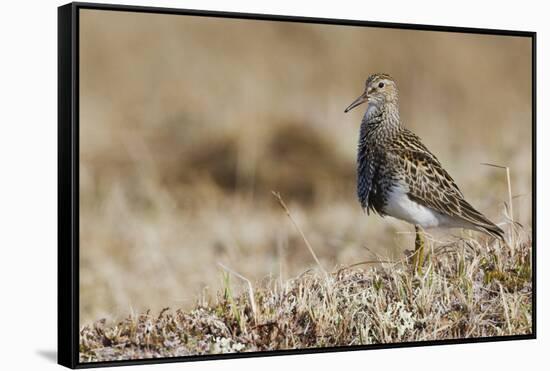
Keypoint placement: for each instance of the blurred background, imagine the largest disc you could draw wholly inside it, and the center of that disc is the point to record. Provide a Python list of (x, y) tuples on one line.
[(188, 123)]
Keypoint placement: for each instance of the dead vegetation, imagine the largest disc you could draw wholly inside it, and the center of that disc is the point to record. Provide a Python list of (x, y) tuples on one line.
[(470, 288)]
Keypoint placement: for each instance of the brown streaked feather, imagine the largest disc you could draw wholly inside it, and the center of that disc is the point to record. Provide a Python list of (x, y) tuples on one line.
[(431, 185)]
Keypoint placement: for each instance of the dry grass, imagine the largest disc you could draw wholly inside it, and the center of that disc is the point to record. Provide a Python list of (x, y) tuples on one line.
[(469, 288)]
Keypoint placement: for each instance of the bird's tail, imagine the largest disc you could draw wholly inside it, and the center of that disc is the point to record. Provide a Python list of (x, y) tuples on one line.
[(480, 222), (493, 231)]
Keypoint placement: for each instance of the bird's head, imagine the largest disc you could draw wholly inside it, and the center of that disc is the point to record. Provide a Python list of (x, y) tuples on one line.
[(380, 89)]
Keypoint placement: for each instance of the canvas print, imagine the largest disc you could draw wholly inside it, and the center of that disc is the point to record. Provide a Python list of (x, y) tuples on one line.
[(259, 185)]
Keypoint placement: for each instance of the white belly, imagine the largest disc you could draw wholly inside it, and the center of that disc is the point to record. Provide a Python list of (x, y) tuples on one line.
[(400, 206)]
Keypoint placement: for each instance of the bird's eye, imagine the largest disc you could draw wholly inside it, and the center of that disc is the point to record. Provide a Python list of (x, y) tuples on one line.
[(381, 85)]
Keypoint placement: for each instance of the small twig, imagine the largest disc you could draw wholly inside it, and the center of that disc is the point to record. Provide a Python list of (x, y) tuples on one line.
[(506, 309), (509, 185), (250, 290), (521, 195), (374, 254), (370, 262), (283, 205), (510, 199)]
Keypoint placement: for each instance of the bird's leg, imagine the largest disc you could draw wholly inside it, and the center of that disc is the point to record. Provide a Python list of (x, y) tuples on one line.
[(418, 256)]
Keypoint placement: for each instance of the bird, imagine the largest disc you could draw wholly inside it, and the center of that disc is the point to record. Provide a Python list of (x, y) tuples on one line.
[(398, 176)]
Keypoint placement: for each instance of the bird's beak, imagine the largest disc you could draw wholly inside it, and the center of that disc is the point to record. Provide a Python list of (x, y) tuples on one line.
[(360, 100)]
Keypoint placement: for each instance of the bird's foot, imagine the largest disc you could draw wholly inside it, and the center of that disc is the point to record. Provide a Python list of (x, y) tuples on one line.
[(418, 257)]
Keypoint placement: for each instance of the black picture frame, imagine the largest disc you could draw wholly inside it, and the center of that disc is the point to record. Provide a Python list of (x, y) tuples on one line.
[(68, 178)]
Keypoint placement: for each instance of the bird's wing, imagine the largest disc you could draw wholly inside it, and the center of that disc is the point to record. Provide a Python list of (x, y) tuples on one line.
[(431, 186)]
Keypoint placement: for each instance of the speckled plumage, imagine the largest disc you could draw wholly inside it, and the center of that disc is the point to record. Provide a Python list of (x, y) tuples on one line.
[(398, 176)]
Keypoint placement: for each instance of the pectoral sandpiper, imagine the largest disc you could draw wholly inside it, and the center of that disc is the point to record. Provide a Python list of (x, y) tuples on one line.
[(398, 176)]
